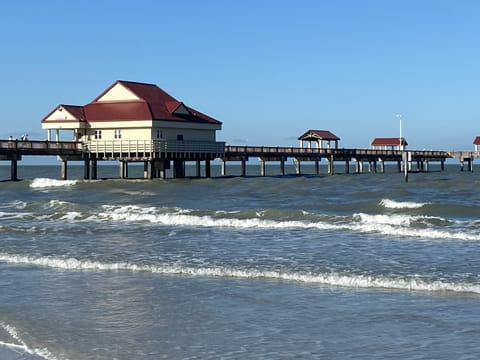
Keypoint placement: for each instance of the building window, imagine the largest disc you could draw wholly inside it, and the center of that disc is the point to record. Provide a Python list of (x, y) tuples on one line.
[(117, 134), (98, 134), (159, 134), (180, 137)]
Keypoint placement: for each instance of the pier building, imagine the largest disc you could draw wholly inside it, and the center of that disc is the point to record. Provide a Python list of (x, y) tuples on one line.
[(137, 122)]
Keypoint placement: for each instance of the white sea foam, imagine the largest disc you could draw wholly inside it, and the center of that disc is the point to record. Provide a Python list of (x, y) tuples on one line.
[(22, 346), (392, 204), (411, 283), (151, 214), (41, 183), (71, 215), (392, 224), (401, 225), (56, 203)]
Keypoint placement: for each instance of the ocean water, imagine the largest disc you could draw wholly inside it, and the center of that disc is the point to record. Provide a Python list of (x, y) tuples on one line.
[(359, 266)]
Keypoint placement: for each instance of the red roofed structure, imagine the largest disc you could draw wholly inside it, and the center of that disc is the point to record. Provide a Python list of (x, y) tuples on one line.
[(138, 122), (476, 142), (132, 111), (389, 143), (318, 136)]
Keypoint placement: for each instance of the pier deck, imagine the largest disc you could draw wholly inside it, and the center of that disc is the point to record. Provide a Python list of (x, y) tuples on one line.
[(157, 156)]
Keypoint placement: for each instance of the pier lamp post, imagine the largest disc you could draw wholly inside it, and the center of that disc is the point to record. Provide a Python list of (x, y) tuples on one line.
[(402, 149)]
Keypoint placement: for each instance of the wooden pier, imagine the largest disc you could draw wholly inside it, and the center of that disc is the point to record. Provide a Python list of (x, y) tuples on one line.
[(374, 159), (158, 156)]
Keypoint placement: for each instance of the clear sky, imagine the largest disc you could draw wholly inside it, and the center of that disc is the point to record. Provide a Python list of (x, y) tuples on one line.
[(268, 69)]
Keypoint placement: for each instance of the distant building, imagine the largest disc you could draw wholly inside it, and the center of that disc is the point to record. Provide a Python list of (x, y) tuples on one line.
[(132, 111), (319, 137), (476, 142), (389, 143)]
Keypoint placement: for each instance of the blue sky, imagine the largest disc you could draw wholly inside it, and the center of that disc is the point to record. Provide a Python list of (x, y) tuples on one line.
[(269, 70)]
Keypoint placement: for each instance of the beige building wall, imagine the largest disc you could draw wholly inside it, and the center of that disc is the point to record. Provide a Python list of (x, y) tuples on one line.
[(183, 134)]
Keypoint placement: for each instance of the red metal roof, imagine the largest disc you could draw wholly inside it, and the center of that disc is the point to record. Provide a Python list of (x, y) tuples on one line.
[(154, 104), (113, 111), (388, 142), (476, 141), (318, 135), (75, 110)]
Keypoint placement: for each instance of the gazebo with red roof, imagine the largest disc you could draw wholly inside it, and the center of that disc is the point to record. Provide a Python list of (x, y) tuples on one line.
[(318, 137), (391, 143)]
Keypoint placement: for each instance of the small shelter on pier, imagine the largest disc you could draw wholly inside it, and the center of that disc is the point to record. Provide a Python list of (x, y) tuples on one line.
[(319, 137), (389, 143), (476, 142)]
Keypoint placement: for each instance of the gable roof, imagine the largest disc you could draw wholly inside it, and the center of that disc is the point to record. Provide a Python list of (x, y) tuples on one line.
[(476, 141), (74, 110), (148, 103), (153, 104), (318, 135), (391, 141)]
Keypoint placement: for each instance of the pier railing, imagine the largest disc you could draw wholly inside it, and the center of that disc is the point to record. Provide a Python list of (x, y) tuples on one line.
[(151, 148), (325, 152), (27, 147)]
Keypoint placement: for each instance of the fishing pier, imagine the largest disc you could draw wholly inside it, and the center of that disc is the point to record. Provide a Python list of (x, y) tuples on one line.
[(370, 159), (159, 156), (132, 122)]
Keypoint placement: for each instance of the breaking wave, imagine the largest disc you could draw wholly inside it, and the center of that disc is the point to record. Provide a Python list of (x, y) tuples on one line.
[(42, 183), (392, 204), (423, 227), (359, 281)]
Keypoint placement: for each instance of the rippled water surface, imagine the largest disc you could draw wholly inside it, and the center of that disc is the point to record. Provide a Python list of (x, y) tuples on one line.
[(356, 266)]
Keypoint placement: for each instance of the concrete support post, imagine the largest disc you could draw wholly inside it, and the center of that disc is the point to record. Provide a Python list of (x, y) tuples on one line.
[(14, 170), (244, 167), (94, 169), (282, 167), (331, 167), (161, 169), (223, 167), (357, 166), (198, 168), (347, 166), (148, 171), (123, 169), (442, 165), (262, 167), (399, 166), (208, 169), (178, 169), (298, 167), (86, 168), (382, 166), (317, 168), (64, 171)]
